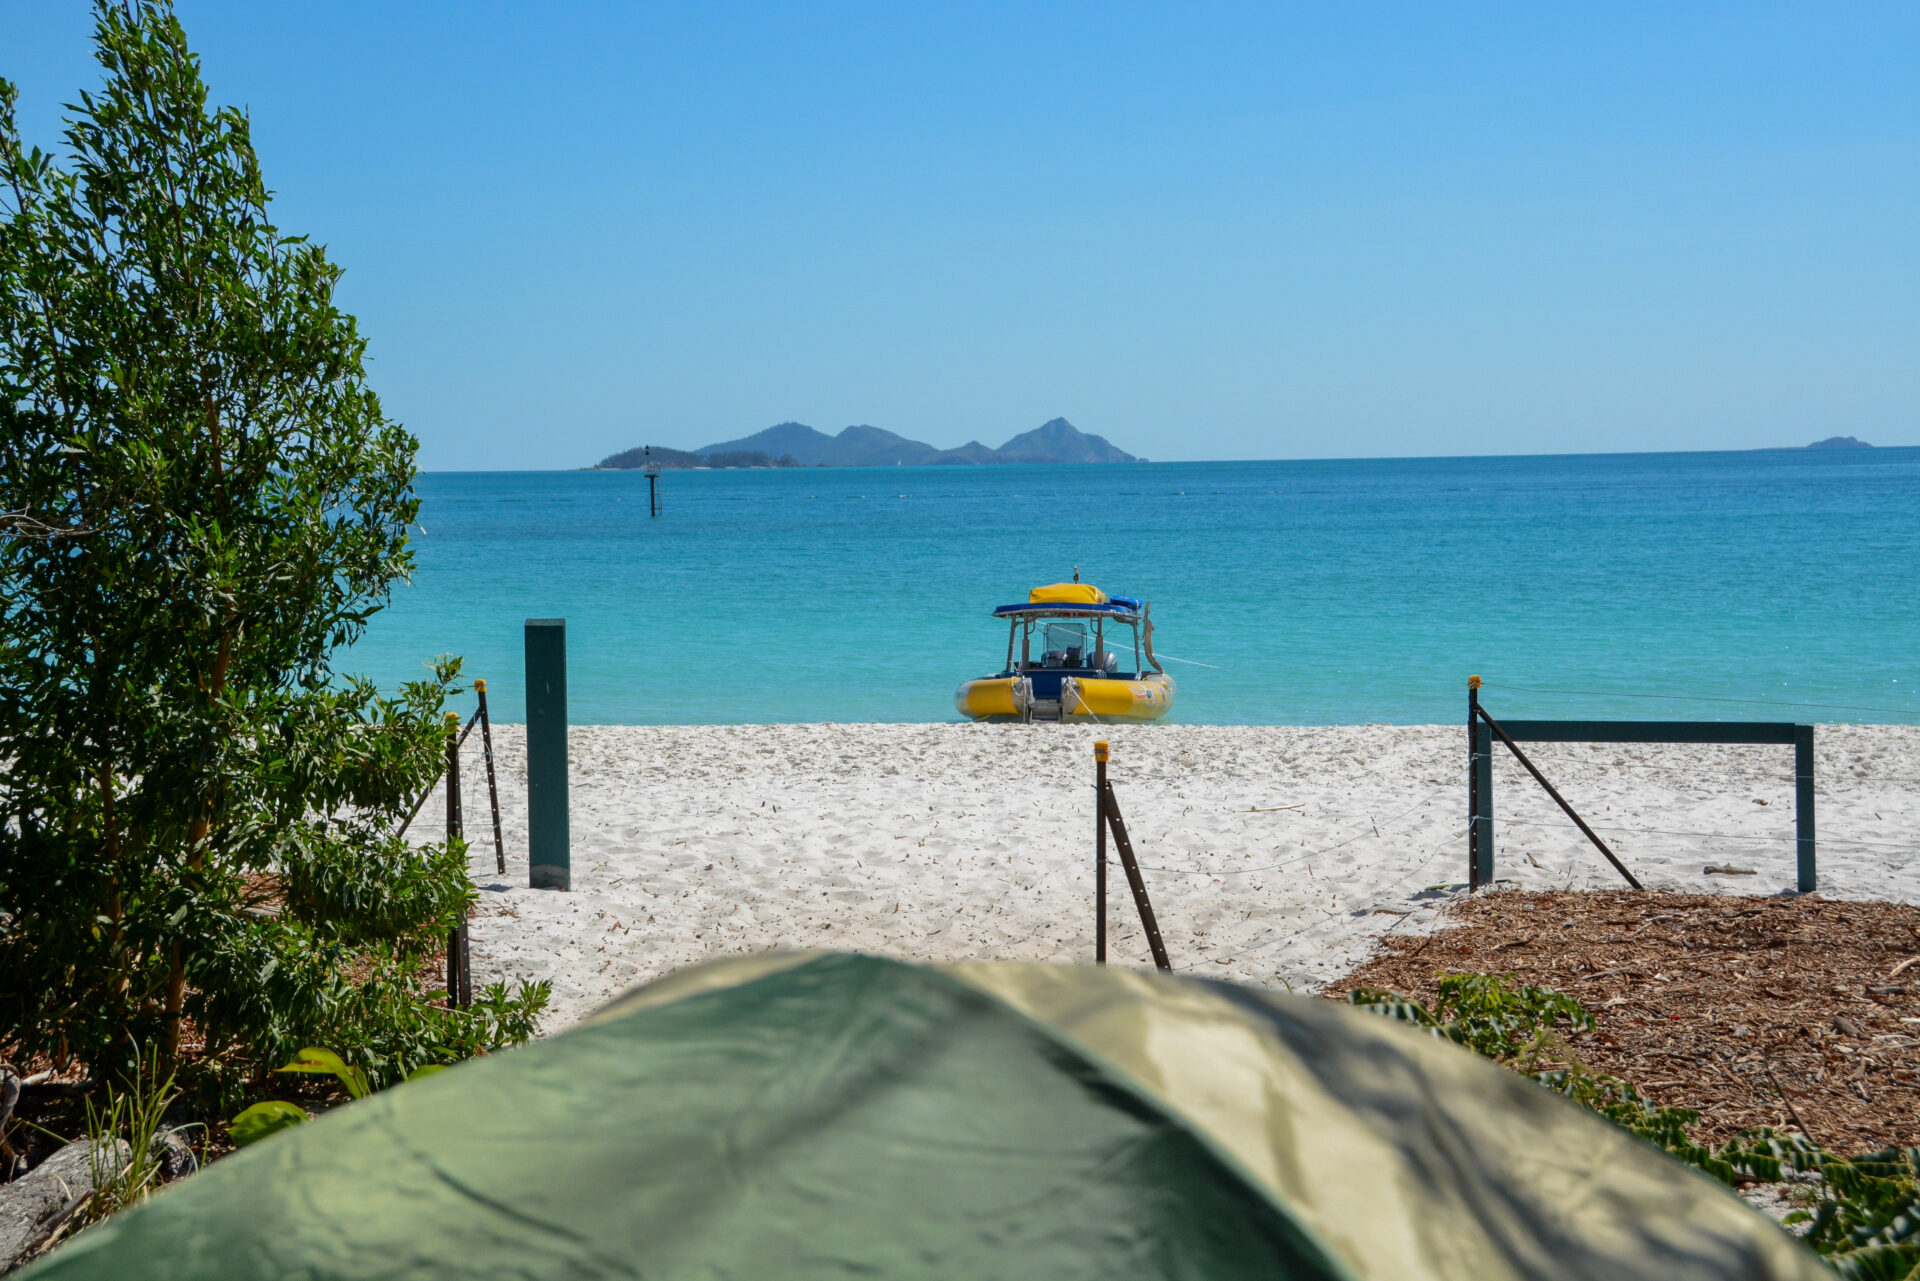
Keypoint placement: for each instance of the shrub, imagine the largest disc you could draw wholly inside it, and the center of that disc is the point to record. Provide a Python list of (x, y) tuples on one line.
[(201, 501)]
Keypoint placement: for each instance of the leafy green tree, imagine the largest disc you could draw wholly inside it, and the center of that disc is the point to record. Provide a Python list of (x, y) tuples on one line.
[(200, 502)]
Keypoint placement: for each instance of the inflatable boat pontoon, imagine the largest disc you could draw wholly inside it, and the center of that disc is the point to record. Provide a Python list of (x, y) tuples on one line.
[(1065, 649)]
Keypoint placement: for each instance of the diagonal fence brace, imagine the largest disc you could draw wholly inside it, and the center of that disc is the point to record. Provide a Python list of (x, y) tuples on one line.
[(1110, 813), (493, 788), (1559, 800), (485, 722)]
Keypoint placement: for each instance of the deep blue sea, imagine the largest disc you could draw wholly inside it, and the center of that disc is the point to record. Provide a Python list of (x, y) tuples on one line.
[(1316, 592)]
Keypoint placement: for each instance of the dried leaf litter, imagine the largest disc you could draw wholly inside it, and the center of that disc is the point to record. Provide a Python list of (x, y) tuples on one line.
[(1800, 1013)]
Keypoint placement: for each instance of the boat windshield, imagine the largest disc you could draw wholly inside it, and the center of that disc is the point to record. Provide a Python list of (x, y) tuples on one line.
[(1072, 644), (1064, 644)]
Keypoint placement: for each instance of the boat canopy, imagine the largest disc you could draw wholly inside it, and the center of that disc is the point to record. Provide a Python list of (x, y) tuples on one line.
[(1115, 606)]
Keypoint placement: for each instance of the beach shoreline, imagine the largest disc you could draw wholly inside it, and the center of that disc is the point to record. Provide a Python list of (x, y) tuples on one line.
[(1274, 855)]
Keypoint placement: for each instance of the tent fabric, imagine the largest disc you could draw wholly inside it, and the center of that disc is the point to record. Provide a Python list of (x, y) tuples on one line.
[(833, 1115), (1406, 1154)]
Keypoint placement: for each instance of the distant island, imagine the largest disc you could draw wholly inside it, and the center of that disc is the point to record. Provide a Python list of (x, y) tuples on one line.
[(679, 459), (798, 445), (1840, 442)]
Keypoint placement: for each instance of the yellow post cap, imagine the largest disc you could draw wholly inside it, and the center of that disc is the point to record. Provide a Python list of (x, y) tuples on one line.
[(479, 687), (1473, 682), (453, 719), (1100, 751)]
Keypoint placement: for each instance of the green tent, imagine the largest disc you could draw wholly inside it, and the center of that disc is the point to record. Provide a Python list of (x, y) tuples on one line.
[(823, 1115)]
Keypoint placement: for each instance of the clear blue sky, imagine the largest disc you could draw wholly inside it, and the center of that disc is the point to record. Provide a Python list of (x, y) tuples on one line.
[(1204, 231)]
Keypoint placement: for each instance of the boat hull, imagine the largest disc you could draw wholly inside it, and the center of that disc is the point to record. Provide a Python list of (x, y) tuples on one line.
[(994, 698), (1144, 698), (1101, 701)]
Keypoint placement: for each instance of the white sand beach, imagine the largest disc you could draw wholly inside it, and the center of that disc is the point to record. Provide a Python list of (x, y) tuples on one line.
[(1274, 855)]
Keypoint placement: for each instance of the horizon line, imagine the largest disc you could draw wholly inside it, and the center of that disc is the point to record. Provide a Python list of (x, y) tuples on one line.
[(1184, 462)]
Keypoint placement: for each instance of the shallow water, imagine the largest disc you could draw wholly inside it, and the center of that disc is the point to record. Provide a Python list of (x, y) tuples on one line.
[(1318, 592)]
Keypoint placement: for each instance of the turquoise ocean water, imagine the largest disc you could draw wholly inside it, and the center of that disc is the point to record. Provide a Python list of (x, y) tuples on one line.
[(1319, 592)]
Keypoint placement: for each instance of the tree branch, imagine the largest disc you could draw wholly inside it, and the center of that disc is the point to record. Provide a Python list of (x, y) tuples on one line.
[(33, 529)]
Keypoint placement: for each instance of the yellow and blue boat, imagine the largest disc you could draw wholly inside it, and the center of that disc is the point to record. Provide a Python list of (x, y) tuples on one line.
[(1067, 654)]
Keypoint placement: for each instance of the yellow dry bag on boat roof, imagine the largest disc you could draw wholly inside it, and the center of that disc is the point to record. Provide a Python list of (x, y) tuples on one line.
[(1067, 594)]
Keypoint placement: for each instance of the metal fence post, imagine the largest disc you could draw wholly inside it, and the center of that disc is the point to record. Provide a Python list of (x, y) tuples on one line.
[(1100, 852), (549, 843), (1473, 784), (1483, 804), (459, 972), (1803, 802)]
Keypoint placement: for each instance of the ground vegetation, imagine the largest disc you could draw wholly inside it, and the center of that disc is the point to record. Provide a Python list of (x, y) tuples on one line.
[(1764, 1041)]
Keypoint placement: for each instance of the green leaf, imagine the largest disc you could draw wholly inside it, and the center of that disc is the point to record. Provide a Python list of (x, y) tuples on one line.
[(325, 1062), (428, 1070), (262, 1119), (315, 1059)]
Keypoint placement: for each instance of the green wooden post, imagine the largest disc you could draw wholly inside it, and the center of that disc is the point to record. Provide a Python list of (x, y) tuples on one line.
[(1803, 802), (549, 843), (1482, 838)]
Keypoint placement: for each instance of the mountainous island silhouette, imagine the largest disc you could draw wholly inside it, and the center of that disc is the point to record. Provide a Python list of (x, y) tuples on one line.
[(798, 445)]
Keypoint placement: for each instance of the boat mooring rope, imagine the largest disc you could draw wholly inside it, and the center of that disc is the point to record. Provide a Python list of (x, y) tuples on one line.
[(1191, 662)]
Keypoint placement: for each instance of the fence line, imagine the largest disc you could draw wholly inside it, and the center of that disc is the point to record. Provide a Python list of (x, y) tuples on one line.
[(1764, 775), (450, 768), (1707, 698)]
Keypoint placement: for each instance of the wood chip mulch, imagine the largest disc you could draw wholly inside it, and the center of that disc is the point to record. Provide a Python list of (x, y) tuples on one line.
[(1799, 1013)]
